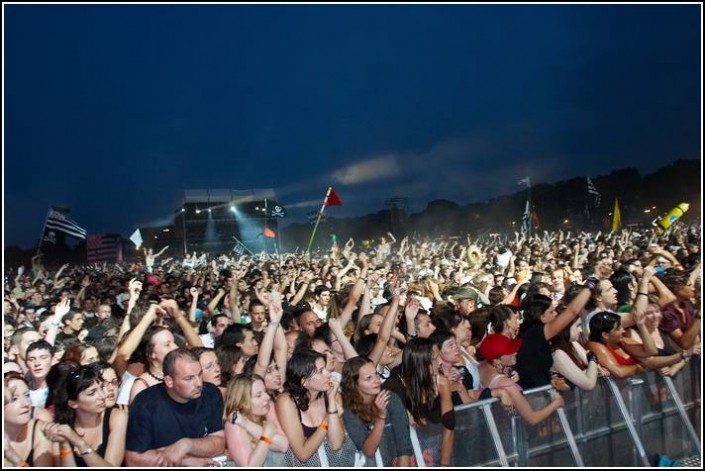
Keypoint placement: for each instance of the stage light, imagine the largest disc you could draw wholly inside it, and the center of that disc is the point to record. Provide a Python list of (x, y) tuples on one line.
[(198, 211)]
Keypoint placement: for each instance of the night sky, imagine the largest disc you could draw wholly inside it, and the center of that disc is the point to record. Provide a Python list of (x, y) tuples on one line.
[(114, 110)]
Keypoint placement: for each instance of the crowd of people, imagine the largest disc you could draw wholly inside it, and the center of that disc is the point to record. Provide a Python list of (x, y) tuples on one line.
[(294, 359)]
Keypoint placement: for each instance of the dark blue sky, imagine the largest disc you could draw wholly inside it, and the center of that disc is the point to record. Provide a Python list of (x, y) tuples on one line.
[(114, 110)]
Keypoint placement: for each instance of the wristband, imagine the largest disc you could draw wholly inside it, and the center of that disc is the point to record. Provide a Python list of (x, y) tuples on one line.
[(265, 439), (591, 283), (85, 452), (63, 453), (323, 426), (333, 412), (274, 323), (642, 294)]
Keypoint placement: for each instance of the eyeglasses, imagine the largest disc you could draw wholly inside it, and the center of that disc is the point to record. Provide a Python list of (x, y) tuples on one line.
[(114, 383)]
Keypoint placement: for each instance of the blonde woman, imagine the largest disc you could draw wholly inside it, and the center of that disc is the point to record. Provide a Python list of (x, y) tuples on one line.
[(252, 430)]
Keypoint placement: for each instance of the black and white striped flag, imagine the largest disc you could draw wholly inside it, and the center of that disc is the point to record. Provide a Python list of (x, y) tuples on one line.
[(592, 191), (56, 221)]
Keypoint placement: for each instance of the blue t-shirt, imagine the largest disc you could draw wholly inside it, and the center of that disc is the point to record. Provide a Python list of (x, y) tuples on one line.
[(156, 420)]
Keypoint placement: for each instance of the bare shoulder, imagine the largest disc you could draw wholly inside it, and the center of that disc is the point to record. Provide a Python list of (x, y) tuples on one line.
[(43, 415), (118, 417)]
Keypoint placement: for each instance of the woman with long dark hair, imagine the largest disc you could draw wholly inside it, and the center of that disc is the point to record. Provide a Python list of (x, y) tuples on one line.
[(309, 409), (605, 340), (541, 323), (89, 434), (572, 361), (368, 409), (425, 392)]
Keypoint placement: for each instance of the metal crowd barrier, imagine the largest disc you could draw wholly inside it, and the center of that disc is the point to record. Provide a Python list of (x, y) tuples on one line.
[(621, 423)]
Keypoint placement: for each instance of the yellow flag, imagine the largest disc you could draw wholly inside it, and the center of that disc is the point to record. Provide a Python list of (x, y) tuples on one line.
[(617, 217)]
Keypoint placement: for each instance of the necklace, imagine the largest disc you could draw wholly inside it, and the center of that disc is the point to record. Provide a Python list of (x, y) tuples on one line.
[(155, 377)]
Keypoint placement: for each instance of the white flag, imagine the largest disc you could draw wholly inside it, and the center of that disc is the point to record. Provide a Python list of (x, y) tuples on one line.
[(136, 237)]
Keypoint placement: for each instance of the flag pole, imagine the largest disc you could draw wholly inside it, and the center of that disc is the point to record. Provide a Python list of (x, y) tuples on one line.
[(528, 197), (41, 236), (318, 220)]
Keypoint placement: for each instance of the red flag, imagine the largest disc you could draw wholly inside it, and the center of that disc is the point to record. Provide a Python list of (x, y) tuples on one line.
[(269, 233), (535, 219), (333, 199)]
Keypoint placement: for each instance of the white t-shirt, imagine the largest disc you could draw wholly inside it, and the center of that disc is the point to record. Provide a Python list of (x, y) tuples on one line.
[(321, 313), (39, 396), (208, 340), (128, 380)]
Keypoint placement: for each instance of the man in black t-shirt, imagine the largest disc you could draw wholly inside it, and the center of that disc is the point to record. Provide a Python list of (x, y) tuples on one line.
[(177, 422)]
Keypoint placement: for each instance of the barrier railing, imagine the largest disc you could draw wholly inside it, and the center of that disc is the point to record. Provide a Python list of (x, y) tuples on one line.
[(618, 424)]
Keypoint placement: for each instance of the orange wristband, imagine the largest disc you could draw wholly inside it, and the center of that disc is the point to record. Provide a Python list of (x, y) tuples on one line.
[(265, 439), (24, 464), (323, 426), (63, 453)]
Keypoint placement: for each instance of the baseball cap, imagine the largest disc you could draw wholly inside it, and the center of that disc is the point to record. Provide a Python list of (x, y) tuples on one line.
[(496, 345)]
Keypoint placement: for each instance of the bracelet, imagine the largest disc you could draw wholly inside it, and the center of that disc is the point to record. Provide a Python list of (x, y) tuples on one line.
[(85, 452), (642, 294), (274, 323), (265, 439), (323, 426), (63, 453), (333, 412)]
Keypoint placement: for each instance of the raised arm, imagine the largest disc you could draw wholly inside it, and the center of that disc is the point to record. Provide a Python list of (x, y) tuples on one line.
[(337, 330), (264, 355), (194, 304), (355, 294), (568, 316), (214, 302), (133, 338), (190, 334)]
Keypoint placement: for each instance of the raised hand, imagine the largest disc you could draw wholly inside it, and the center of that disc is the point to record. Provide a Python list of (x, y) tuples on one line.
[(412, 308), (135, 288), (334, 385), (62, 308), (382, 401), (263, 296)]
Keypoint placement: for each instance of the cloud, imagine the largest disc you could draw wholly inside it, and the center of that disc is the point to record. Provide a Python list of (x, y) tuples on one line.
[(369, 170), (305, 204), (162, 221)]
